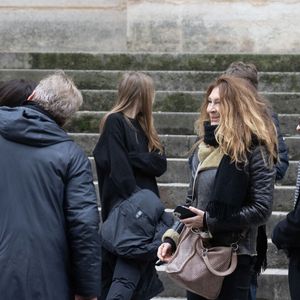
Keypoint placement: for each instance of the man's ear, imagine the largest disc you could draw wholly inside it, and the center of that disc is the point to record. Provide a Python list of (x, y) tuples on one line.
[(31, 96)]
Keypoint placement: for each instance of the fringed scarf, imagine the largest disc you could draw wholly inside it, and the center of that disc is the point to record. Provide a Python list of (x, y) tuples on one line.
[(230, 187)]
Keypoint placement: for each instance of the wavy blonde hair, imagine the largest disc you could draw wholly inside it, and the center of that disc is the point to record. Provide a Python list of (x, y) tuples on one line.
[(244, 115), (133, 87)]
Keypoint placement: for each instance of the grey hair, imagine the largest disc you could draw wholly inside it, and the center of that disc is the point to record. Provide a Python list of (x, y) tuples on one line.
[(58, 95)]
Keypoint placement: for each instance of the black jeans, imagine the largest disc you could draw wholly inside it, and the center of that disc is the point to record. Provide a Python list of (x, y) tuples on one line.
[(294, 276), (236, 285)]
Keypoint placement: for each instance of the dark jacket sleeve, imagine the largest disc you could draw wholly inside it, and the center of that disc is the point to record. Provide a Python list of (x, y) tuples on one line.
[(82, 226), (286, 233), (121, 172), (283, 162), (261, 187), (151, 163)]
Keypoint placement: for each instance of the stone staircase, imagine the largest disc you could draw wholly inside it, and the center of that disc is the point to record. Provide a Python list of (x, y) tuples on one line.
[(180, 81)]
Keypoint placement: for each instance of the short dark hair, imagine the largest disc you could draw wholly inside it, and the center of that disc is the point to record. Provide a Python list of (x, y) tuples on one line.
[(15, 92), (244, 71)]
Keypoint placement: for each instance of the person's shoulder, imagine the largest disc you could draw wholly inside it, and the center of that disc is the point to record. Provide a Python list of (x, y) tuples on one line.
[(115, 117), (114, 121), (74, 150)]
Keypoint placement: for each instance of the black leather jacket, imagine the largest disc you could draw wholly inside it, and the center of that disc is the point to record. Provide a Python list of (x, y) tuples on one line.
[(255, 212)]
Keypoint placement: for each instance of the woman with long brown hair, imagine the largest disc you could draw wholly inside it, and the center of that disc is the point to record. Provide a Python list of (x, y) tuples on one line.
[(128, 156), (233, 176)]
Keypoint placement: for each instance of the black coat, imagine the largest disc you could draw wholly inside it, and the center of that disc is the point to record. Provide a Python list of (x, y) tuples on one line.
[(123, 162), (286, 233), (283, 163), (49, 221)]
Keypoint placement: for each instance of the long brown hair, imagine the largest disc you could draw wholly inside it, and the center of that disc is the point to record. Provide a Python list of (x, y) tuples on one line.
[(133, 87), (243, 116)]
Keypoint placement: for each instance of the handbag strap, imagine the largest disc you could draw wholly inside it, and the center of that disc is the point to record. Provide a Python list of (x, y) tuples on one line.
[(231, 268), (194, 183)]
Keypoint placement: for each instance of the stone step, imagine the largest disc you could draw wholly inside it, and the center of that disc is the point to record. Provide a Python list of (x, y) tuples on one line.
[(146, 61), (176, 146), (173, 194), (178, 172), (272, 285), (276, 259), (167, 122), (183, 101), (164, 80), (276, 217)]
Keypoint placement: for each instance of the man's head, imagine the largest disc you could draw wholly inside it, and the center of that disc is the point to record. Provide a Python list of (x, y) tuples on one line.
[(244, 71), (14, 92), (58, 95)]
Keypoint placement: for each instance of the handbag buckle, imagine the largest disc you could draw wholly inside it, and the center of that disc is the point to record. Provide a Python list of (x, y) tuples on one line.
[(196, 230), (204, 251)]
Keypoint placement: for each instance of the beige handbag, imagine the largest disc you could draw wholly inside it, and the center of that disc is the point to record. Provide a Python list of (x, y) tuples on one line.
[(198, 269)]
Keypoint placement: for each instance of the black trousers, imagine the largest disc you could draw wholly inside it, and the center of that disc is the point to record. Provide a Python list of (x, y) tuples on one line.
[(120, 277), (236, 285), (294, 276)]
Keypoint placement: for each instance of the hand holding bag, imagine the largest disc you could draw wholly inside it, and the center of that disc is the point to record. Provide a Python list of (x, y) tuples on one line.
[(198, 269)]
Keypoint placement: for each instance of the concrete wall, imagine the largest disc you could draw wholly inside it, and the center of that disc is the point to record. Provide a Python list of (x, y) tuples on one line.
[(203, 26)]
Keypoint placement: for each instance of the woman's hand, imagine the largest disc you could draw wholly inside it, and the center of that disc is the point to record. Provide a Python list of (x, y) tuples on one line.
[(194, 222), (164, 252)]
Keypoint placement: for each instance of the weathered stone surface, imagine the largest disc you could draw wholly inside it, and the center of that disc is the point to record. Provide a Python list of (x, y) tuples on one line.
[(293, 146), (173, 194), (61, 3), (152, 26), (273, 285), (146, 61), (58, 29), (184, 101), (178, 146), (274, 219), (291, 174), (218, 27), (276, 259), (168, 122), (182, 81), (178, 172)]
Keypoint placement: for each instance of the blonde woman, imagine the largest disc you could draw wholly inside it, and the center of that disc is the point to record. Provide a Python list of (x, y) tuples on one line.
[(233, 169), (129, 155)]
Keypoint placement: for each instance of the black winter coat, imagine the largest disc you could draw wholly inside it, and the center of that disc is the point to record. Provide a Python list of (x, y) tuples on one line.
[(283, 163), (286, 233), (123, 162), (49, 221)]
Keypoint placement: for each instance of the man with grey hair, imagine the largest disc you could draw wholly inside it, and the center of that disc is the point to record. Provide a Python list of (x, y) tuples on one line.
[(49, 221)]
